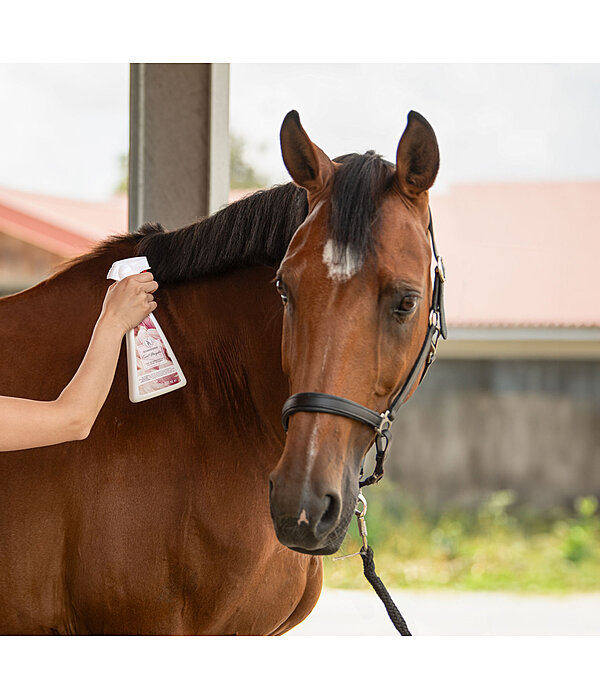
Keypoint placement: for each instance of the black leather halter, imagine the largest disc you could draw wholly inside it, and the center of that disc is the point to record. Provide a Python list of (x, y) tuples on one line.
[(315, 402)]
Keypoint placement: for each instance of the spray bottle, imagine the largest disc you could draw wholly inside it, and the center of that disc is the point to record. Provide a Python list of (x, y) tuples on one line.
[(152, 367)]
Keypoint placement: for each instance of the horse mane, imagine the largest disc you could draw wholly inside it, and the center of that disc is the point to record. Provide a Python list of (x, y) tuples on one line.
[(257, 230)]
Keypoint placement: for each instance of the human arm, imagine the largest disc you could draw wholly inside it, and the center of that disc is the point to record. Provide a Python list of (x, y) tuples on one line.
[(25, 423)]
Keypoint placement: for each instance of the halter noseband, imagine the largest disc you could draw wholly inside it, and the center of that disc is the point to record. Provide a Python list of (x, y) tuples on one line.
[(315, 402)]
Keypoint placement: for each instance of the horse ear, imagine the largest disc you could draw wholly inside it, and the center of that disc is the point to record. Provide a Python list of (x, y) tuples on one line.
[(418, 156), (305, 162)]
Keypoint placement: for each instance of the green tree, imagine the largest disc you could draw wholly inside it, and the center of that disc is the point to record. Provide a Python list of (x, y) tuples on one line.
[(241, 174), (123, 183)]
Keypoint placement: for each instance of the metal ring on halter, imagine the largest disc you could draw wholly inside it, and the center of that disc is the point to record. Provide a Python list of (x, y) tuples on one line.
[(386, 423)]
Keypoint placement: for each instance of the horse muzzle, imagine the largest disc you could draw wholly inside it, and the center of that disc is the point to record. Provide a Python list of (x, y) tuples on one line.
[(307, 520)]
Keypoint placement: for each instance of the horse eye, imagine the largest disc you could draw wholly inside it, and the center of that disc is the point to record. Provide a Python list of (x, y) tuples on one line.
[(282, 289), (407, 304)]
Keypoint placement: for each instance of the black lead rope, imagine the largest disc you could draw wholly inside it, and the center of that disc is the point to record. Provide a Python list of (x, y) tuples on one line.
[(366, 552), (394, 614)]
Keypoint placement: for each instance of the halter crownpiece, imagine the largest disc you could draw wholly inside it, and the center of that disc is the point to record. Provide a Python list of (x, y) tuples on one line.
[(315, 402)]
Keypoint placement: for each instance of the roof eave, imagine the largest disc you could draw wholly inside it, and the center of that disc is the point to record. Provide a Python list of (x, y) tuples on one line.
[(522, 342)]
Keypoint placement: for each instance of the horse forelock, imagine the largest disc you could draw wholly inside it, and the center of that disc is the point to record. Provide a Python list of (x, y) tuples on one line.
[(357, 190)]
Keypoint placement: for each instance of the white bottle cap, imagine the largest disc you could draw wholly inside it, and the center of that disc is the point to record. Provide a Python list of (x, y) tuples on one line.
[(126, 267)]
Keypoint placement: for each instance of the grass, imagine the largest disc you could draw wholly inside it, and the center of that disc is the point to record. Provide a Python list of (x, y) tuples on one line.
[(497, 547)]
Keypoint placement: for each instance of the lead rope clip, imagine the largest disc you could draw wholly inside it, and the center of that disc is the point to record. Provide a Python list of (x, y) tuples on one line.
[(366, 554), (362, 527)]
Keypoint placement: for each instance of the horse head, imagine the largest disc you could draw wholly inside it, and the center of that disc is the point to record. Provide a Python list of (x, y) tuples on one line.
[(356, 288)]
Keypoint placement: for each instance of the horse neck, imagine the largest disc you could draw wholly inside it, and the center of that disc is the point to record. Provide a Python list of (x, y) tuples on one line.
[(225, 330)]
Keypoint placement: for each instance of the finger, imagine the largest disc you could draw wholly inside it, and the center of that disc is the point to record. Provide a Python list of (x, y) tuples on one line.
[(149, 298), (143, 277), (153, 305), (150, 286)]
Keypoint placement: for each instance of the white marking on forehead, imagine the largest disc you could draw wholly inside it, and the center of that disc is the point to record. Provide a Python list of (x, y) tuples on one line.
[(342, 262)]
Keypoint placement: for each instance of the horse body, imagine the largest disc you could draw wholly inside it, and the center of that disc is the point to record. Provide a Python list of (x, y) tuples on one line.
[(128, 531), (193, 513)]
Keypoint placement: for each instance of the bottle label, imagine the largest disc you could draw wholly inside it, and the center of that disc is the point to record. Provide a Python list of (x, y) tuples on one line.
[(155, 369)]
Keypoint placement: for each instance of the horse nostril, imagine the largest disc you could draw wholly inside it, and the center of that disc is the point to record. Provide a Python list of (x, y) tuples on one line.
[(331, 514)]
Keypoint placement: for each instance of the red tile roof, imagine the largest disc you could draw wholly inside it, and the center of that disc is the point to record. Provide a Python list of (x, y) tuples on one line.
[(517, 254), (520, 254), (63, 226)]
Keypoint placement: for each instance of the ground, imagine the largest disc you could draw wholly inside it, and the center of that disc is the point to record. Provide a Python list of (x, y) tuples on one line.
[(343, 612)]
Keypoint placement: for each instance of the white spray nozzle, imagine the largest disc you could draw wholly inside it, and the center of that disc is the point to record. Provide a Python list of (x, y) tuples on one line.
[(126, 267)]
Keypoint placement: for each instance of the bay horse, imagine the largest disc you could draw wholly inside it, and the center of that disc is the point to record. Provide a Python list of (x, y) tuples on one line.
[(194, 513)]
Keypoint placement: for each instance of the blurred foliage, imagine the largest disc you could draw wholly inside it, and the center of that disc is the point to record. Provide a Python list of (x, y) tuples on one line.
[(497, 546), (123, 183), (242, 175)]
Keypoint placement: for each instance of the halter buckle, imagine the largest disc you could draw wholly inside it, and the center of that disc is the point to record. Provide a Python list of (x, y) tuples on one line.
[(434, 344), (435, 319)]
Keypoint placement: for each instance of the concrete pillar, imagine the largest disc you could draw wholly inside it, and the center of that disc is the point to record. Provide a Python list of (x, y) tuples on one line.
[(179, 142)]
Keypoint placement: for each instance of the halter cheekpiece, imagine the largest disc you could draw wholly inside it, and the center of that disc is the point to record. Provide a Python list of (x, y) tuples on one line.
[(315, 402)]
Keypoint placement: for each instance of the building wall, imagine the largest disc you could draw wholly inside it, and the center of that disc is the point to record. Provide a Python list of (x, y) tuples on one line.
[(477, 426), (22, 264)]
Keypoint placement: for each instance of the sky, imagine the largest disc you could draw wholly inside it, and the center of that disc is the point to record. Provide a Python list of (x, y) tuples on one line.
[(492, 121), (63, 127)]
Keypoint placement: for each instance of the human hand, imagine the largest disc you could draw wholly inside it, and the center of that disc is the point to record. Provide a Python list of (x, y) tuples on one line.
[(129, 301)]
